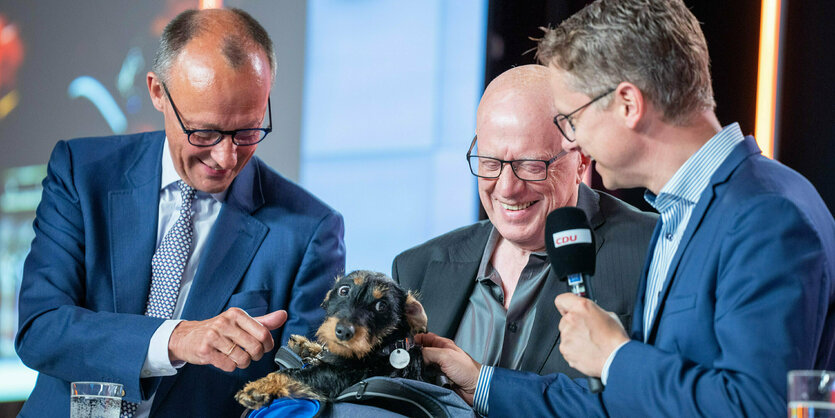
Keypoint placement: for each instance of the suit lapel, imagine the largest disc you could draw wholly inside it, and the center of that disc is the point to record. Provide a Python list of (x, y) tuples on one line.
[(546, 322), (231, 246), (637, 332), (132, 213), (445, 293), (589, 201), (546, 334), (448, 283), (740, 152)]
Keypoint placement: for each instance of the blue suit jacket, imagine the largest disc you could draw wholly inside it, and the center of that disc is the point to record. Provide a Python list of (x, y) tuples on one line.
[(87, 277), (749, 295)]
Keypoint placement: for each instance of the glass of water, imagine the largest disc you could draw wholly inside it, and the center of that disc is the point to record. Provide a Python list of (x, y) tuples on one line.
[(811, 394), (95, 400)]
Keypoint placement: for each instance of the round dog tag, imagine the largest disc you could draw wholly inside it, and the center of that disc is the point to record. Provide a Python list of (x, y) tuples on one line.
[(399, 358)]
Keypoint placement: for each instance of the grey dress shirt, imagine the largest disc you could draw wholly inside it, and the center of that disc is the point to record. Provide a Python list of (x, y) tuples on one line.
[(488, 332)]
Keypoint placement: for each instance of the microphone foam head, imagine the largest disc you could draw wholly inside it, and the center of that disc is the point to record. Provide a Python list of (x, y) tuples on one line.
[(569, 242)]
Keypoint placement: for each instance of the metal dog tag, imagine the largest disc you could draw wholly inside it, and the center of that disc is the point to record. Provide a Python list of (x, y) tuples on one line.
[(399, 358)]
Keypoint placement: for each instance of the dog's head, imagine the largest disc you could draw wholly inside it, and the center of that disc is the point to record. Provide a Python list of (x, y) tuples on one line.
[(365, 309)]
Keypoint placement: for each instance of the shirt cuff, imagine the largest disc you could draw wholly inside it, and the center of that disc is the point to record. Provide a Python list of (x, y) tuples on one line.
[(482, 389), (157, 362), (604, 375)]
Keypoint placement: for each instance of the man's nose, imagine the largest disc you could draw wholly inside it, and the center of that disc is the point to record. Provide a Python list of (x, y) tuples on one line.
[(224, 153), (507, 181)]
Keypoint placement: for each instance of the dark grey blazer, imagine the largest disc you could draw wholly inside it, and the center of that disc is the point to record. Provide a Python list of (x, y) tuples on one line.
[(443, 270)]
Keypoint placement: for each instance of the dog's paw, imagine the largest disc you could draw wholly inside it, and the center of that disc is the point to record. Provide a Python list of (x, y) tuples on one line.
[(252, 395), (305, 348), (275, 385)]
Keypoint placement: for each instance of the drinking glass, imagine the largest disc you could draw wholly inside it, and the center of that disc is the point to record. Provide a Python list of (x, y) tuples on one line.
[(811, 394), (95, 400)]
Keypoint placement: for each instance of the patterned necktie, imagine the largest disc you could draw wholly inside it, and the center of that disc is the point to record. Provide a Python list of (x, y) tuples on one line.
[(167, 266)]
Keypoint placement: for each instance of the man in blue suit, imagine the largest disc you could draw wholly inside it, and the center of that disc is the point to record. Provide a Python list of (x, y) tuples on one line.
[(245, 249), (739, 284)]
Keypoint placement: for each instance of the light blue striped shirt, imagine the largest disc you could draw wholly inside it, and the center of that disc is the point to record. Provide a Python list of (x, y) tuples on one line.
[(675, 204), (482, 390)]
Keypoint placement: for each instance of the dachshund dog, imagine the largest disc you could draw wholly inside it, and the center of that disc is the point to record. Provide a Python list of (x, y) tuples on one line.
[(367, 331)]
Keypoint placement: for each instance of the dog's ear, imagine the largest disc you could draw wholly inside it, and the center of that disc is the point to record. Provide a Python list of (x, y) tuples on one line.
[(415, 315), (324, 304)]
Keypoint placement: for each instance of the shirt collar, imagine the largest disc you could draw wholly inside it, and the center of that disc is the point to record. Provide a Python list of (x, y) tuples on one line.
[(170, 176), (483, 272), (693, 177)]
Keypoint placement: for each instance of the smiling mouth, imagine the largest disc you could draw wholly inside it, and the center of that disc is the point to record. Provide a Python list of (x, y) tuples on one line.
[(520, 206), (215, 169)]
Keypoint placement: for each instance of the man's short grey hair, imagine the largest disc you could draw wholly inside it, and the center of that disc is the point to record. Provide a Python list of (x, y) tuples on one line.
[(191, 23), (658, 45)]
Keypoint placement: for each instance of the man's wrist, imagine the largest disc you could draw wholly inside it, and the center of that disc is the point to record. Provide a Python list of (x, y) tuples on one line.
[(482, 389), (604, 375), (157, 361)]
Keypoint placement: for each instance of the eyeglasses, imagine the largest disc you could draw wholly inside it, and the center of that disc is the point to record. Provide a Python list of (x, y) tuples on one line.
[(525, 169), (210, 137), (565, 123)]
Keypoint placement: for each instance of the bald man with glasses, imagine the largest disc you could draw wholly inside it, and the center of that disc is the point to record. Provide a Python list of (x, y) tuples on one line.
[(489, 285)]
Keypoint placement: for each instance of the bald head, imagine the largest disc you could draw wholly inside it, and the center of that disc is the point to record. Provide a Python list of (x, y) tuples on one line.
[(528, 86), (515, 122), (232, 34)]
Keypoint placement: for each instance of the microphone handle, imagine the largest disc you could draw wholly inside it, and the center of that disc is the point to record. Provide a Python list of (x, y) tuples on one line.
[(581, 286)]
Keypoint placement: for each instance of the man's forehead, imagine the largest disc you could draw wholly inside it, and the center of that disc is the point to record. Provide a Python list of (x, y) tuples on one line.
[(562, 89), (532, 145)]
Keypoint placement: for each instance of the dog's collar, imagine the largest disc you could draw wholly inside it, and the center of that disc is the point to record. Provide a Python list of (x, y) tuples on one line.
[(398, 353), (404, 343)]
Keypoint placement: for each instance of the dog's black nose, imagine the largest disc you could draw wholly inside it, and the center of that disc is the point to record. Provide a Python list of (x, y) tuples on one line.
[(344, 332)]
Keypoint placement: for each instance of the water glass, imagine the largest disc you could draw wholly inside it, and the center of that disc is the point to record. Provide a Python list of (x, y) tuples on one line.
[(95, 400), (811, 394)]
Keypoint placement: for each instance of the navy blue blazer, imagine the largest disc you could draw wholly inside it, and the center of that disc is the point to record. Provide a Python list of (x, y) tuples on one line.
[(750, 294), (87, 277)]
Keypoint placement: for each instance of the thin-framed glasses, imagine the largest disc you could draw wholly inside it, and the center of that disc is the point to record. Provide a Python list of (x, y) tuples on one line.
[(209, 137), (565, 123), (524, 169)]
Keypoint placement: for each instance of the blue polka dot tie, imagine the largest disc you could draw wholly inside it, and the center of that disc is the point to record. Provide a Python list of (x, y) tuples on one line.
[(167, 266)]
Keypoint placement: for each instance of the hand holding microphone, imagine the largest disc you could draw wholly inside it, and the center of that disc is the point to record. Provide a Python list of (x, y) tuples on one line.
[(588, 334)]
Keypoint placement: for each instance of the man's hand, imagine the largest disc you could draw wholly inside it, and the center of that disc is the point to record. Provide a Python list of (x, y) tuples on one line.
[(588, 334), (228, 341), (457, 365)]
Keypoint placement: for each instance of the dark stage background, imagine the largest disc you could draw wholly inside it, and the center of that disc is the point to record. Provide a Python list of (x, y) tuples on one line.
[(805, 138)]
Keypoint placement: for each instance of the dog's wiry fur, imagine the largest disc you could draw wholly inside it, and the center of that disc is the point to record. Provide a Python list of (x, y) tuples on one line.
[(366, 313)]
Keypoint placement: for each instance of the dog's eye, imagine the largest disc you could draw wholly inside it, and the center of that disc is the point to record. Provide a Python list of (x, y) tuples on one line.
[(380, 306), (343, 290)]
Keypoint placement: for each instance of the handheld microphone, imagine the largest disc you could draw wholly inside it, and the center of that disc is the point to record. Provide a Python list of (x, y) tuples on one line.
[(570, 246)]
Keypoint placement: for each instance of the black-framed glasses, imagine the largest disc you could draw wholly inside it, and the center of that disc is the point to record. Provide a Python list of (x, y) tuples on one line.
[(209, 137), (524, 169), (565, 123)]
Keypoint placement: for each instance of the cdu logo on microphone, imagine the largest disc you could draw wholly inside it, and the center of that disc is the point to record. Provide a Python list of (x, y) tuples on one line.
[(571, 236)]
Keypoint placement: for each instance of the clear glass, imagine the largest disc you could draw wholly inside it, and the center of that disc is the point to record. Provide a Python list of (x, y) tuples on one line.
[(95, 400), (811, 394)]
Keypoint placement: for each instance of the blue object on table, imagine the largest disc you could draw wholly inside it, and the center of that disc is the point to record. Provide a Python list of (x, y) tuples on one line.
[(288, 407)]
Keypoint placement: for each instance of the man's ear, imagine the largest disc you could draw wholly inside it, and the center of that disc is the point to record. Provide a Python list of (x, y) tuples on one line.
[(631, 104), (415, 315), (155, 91), (583, 167)]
